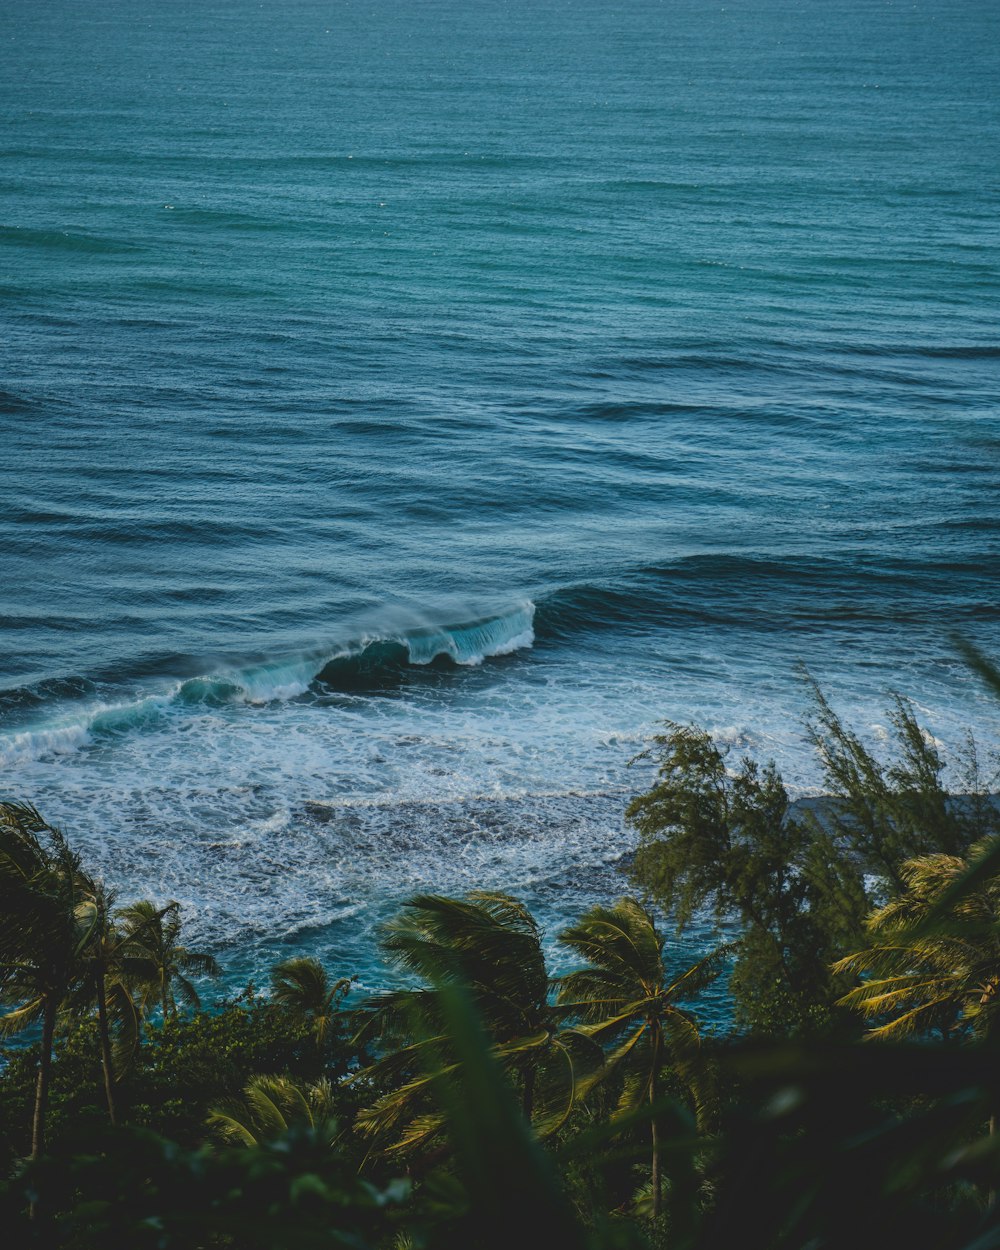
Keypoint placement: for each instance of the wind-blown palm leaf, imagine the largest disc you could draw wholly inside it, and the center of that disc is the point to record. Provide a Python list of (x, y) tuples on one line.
[(934, 958), (401, 1107), (490, 944), (979, 663), (20, 1018), (269, 1107), (486, 941)]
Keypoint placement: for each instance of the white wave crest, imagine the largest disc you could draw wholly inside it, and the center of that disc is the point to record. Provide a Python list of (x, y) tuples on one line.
[(471, 644)]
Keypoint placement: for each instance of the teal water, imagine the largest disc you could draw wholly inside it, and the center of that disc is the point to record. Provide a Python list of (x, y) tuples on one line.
[(404, 408)]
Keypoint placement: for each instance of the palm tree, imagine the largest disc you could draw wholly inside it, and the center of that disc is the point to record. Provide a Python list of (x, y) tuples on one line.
[(490, 944), (269, 1107), (46, 925), (162, 967), (103, 983), (939, 976), (60, 949), (117, 965), (626, 997), (302, 987), (934, 960)]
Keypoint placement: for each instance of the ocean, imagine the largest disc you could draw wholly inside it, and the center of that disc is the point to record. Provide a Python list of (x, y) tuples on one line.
[(408, 407)]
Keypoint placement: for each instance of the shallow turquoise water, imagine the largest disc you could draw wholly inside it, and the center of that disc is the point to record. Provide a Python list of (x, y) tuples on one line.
[(619, 359)]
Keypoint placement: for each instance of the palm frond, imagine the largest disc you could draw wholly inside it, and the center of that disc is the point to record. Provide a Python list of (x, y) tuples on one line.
[(21, 1018)]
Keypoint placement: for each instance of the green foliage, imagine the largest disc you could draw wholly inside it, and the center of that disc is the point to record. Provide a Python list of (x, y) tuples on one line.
[(513, 1196), (63, 952), (796, 883), (853, 1145), (40, 928), (185, 1065), (487, 941), (142, 1191), (727, 842), (825, 1147), (48, 918), (190, 1063), (887, 812), (75, 1095), (626, 998), (596, 1122)]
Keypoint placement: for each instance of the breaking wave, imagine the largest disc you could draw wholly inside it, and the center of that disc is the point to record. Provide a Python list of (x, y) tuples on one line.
[(367, 664)]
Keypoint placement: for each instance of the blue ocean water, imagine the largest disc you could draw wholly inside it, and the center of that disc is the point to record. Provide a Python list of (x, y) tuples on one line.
[(406, 407)]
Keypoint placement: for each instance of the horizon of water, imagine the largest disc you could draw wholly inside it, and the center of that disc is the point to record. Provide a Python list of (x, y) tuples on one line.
[(406, 411)]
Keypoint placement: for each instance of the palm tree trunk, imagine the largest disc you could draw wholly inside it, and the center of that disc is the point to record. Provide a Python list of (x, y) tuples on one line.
[(528, 1096), (657, 1179), (42, 1084), (654, 1127), (105, 1037), (990, 1036)]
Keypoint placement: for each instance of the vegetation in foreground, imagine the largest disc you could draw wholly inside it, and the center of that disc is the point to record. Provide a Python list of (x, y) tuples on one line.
[(491, 1104)]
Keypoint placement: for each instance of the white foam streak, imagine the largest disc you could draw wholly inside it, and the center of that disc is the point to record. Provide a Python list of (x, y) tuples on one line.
[(31, 745), (275, 683), (70, 733)]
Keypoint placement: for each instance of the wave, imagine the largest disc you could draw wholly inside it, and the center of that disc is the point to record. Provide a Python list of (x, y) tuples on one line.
[(383, 661), (368, 664), (13, 404), (62, 735), (63, 240), (929, 351), (761, 593)]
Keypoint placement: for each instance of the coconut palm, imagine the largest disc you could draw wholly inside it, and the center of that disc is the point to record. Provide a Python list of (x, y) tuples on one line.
[(303, 988), (490, 944), (942, 976), (628, 999), (162, 967), (269, 1107), (103, 984), (46, 925), (115, 968)]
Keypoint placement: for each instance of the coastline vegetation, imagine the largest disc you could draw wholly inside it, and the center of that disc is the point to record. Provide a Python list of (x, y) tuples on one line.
[(486, 1102)]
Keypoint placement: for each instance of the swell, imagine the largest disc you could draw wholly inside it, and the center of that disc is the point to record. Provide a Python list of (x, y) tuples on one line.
[(62, 240), (756, 593), (928, 351), (364, 665), (796, 596)]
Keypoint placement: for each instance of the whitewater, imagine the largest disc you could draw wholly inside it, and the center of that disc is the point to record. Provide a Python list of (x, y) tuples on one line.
[(405, 412)]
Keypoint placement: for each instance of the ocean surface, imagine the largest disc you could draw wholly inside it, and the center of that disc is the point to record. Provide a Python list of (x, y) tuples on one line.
[(406, 407)]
